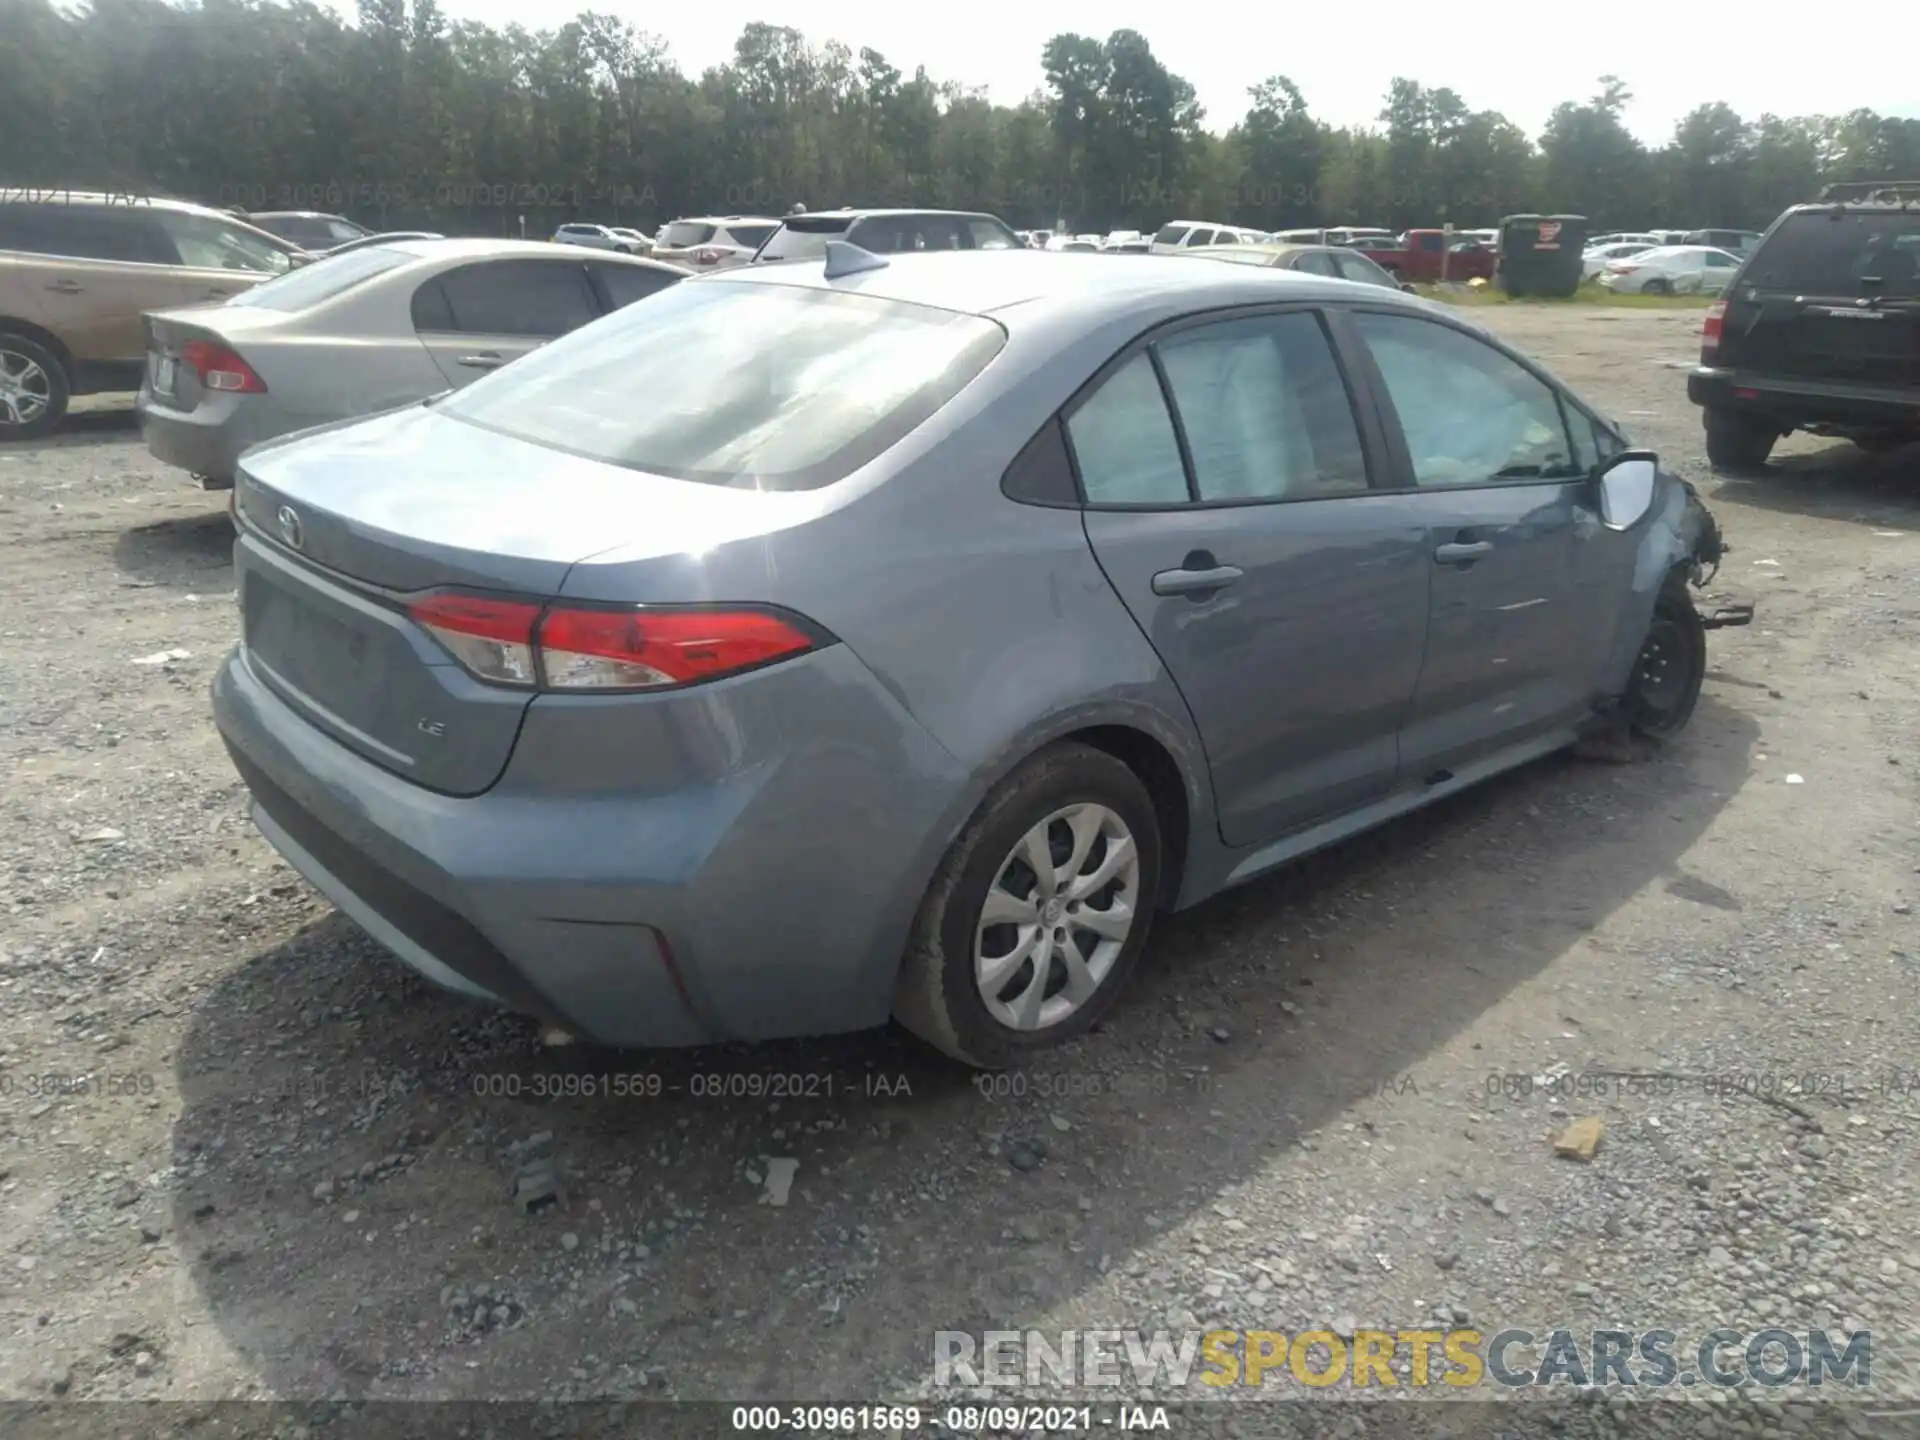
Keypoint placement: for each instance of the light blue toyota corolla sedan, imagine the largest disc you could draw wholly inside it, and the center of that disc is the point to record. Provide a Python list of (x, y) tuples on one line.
[(817, 643)]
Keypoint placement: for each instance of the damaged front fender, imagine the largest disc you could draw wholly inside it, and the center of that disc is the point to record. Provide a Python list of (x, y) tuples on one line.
[(1680, 545)]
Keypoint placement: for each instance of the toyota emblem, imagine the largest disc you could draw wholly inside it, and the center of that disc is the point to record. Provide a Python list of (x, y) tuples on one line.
[(289, 522)]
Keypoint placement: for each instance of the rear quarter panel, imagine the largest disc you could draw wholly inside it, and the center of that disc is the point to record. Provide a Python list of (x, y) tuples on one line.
[(987, 619)]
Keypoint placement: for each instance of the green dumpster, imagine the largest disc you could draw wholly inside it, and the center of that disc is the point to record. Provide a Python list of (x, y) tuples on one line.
[(1540, 254)]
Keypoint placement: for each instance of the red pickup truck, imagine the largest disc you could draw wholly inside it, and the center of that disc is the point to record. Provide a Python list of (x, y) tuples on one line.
[(1420, 254)]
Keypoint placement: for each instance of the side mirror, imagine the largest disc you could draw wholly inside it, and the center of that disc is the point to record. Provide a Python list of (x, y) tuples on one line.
[(1626, 488)]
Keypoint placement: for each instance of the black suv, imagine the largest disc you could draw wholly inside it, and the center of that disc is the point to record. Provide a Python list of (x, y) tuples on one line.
[(886, 232), (1819, 330)]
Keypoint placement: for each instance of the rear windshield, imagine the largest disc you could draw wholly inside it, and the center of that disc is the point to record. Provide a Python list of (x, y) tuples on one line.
[(751, 236), (765, 387), (322, 280), (682, 233), (1855, 253)]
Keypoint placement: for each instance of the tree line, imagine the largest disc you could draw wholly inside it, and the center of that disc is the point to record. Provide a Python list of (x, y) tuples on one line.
[(407, 119)]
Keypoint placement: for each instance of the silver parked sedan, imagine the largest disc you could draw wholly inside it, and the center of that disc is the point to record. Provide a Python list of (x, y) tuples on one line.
[(367, 330), (813, 643)]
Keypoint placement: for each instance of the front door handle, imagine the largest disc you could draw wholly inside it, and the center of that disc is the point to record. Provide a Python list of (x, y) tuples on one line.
[(1193, 582), (1459, 553), (66, 287), (485, 360)]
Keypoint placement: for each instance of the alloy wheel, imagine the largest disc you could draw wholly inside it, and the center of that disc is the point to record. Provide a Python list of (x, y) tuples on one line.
[(25, 389), (1057, 916)]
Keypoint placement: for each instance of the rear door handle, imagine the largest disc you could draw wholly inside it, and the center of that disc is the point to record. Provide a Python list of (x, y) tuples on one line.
[(66, 287), (1191, 582), (1458, 553), (485, 360)]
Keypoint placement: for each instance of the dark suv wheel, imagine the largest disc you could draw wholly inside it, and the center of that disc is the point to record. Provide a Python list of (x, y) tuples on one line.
[(1737, 442), (33, 388)]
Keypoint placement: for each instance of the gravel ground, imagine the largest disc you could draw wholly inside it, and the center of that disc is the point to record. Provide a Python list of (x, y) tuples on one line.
[(290, 1169)]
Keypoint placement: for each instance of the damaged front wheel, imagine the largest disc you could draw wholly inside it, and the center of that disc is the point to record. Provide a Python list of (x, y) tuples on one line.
[(1672, 664)]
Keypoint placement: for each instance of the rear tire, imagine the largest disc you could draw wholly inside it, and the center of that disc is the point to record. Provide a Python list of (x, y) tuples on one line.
[(34, 389), (1737, 443), (1656, 287), (1672, 663), (1097, 817)]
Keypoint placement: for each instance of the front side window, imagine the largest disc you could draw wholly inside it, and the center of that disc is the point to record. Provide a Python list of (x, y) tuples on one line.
[(1265, 410), (766, 387), (1352, 265), (1123, 441), (205, 243), (1470, 414)]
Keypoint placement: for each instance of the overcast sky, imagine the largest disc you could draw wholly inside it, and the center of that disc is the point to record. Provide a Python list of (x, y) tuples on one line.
[(1673, 56)]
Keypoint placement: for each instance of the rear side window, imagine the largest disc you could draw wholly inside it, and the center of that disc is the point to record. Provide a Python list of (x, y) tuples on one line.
[(764, 387), (541, 298), (1316, 263), (1855, 253), (625, 284), (1200, 237), (1123, 441), (683, 233), (85, 233), (322, 280), (1265, 410)]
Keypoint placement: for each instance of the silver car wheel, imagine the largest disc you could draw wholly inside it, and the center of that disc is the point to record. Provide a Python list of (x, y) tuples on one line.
[(1056, 917), (25, 390)]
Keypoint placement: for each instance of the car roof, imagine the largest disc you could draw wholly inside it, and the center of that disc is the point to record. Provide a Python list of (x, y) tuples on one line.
[(1032, 283), (724, 220), (487, 249), (293, 215), (868, 214)]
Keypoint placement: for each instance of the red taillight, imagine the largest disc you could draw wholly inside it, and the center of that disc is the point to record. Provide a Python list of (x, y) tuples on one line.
[(220, 369), (646, 649), (707, 256), (511, 642), (1711, 327), (492, 638)]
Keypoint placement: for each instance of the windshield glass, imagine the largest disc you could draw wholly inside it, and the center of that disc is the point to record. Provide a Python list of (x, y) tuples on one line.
[(767, 387), (751, 237), (1854, 253), (322, 280)]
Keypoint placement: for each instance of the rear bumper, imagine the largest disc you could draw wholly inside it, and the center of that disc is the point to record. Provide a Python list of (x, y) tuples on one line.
[(1806, 402), (210, 439), (773, 900)]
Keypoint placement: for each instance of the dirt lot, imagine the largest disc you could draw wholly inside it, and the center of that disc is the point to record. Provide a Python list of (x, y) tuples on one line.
[(288, 1170)]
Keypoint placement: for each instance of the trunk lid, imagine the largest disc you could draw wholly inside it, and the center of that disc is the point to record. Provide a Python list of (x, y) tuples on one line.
[(1833, 295), (168, 376), (343, 524)]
